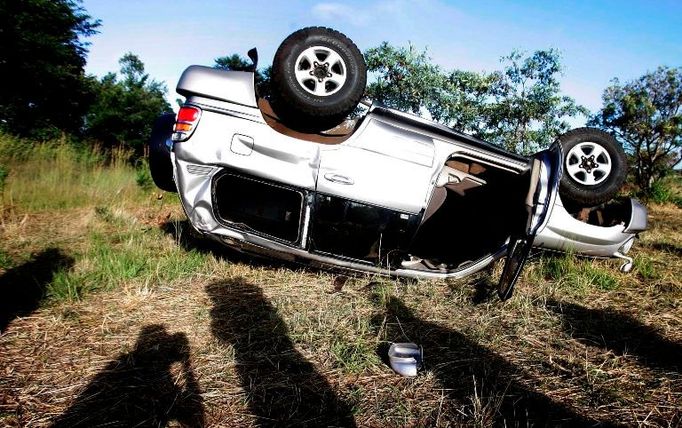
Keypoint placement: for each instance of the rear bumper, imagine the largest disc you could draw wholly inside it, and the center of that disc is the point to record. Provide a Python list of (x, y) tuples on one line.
[(565, 233)]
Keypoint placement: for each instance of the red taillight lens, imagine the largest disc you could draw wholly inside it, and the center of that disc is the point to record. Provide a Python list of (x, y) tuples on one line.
[(187, 119), (188, 114)]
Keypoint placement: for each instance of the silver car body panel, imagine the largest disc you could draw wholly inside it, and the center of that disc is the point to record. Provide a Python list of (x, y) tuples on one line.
[(389, 161), (565, 233), (208, 82)]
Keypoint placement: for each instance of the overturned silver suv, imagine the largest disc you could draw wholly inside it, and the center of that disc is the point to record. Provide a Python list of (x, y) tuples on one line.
[(388, 192)]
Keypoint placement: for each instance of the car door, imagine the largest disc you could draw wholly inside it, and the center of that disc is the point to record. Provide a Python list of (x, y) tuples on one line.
[(371, 191), (544, 184)]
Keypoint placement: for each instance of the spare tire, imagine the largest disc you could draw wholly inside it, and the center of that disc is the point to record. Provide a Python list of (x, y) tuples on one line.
[(318, 79), (594, 165)]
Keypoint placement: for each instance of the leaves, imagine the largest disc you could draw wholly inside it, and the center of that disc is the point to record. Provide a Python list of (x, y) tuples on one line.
[(520, 107), (236, 62), (41, 61), (124, 110), (646, 115)]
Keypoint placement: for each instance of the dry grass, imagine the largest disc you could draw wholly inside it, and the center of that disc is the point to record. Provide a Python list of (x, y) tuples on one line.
[(168, 329)]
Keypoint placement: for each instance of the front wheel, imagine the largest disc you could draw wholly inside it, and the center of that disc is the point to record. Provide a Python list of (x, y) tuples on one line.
[(594, 165)]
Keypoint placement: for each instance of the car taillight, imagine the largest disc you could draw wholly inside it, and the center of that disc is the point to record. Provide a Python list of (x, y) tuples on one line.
[(186, 122)]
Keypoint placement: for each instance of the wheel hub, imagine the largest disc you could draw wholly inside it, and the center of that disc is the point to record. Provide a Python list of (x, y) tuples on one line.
[(587, 163), (320, 71)]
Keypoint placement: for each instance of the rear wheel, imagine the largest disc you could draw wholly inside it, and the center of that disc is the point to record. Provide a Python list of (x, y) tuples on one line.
[(594, 165), (318, 78)]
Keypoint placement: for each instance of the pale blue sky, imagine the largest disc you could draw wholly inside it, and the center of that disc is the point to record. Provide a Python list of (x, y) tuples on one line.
[(598, 40)]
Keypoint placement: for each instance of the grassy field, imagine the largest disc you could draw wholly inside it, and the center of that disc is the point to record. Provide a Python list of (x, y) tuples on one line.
[(113, 313)]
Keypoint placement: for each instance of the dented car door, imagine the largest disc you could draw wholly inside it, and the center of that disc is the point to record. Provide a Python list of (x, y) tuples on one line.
[(371, 192)]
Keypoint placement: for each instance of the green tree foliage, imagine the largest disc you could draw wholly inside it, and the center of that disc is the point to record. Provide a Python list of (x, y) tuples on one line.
[(646, 116), (44, 91), (406, 80), (125, 108), (519, 107), (527, 110), (236, 62)]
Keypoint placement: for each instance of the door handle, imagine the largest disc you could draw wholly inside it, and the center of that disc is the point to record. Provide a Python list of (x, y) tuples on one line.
[(337, 178)]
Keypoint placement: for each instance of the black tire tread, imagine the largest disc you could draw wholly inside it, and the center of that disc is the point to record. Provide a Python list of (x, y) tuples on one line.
[(284, 101), (160, 166), (574, 192)]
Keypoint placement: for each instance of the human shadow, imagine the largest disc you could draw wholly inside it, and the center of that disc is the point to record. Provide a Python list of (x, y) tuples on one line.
[(23, 287), (151, 386), (620, 333), (469, 371), (283, 388)]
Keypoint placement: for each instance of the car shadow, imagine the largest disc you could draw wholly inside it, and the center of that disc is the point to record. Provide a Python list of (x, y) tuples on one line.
[(620, 333), (484, 289), (140, 387), (667, 248), (469, 372), (190, 240), (23, 287), (283, 388)]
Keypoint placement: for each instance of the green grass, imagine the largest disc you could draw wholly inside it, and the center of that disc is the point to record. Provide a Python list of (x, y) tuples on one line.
[(667, 190), (646, 268), (113, 249), (60, 175), (125, 255), (578, 276), (5, 260)]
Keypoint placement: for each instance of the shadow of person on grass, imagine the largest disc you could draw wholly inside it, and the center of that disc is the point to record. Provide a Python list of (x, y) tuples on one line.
[(23, 287), (283, 388), (151, 386), (620, 333), (468, 371)]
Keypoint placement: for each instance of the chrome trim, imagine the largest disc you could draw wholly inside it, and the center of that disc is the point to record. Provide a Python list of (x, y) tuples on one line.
[(199, 169), (254, 244)]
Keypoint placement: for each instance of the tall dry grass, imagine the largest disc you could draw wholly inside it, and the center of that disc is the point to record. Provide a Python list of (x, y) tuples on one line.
[(60, 174)]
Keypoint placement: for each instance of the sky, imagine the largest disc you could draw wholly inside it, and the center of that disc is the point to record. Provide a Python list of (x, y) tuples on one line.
[(598, 40)]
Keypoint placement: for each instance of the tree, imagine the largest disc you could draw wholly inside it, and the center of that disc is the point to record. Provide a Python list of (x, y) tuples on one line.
[(44, 89), (527, 111), (406, 80), (124, 109), (646, 116), (236, 62), (520, 107)]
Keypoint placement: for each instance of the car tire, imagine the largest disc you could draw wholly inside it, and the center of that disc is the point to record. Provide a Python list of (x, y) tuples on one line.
[(160, 165), (594, 166), (318, 79)]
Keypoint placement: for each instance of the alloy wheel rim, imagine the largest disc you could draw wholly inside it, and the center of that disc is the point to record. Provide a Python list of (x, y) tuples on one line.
[(588, 163), (320, 71)]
